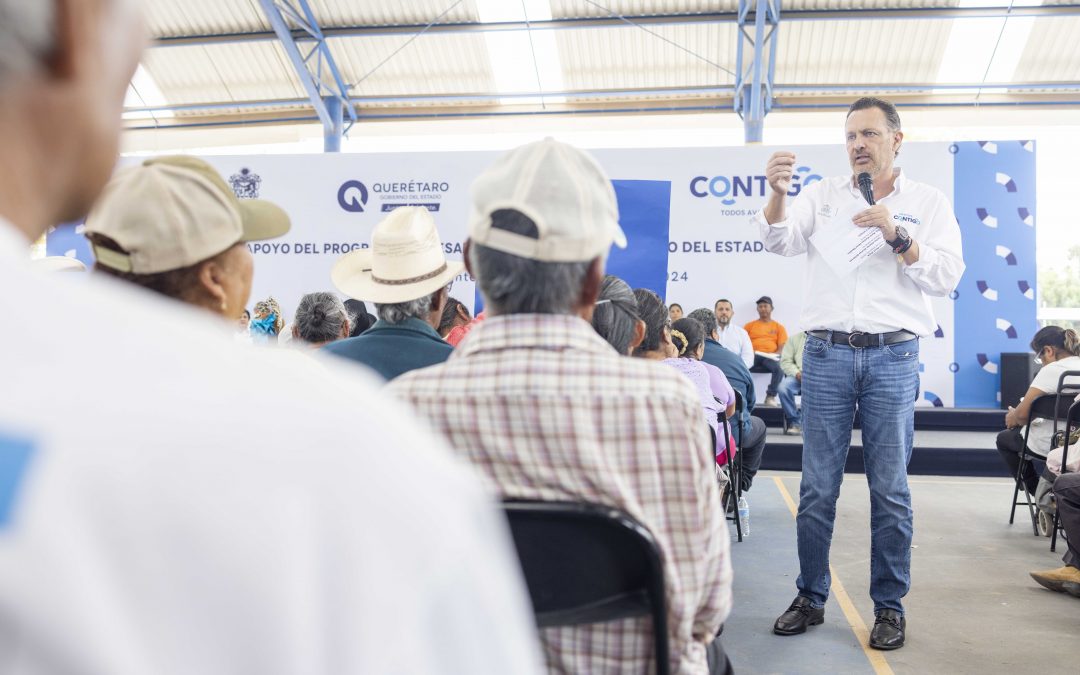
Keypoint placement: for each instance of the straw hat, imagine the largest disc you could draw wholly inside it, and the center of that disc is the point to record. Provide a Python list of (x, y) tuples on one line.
[(405, 262)]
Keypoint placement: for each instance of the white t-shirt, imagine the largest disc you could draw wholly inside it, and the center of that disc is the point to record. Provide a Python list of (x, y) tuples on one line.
[(174, 503), (1046, 380)]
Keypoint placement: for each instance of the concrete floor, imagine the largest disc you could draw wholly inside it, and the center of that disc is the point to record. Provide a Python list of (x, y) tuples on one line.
[(972, 606)]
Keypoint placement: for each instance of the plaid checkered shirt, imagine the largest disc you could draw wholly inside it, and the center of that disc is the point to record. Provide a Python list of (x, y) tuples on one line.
[(547, 410)]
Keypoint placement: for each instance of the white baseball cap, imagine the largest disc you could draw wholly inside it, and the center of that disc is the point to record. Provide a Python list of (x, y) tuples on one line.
[(406, 261), (172, 212), (562, 190)]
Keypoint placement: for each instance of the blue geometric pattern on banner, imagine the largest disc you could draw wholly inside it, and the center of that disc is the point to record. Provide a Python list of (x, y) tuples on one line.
[(645, 216), (14, 455), (63, 239), (994, 307)]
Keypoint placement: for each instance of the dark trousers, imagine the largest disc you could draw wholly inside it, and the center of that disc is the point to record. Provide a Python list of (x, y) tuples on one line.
[(1067, 496), (717, 659), (1009, 444), (773, 367), (753, 448)]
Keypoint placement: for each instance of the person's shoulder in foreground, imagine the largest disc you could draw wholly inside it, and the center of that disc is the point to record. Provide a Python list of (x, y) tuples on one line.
[(185, 504)]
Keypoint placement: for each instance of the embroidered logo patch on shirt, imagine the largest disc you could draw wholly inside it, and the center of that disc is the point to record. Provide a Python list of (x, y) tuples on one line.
[(907, 218), (14, 456), (826, 211)]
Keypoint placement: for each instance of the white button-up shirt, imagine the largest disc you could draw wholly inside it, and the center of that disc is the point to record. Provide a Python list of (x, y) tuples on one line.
[(736, 339), (883, 294)]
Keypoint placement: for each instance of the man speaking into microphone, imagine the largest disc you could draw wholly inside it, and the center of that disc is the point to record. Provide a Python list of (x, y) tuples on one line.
[(863, 318)]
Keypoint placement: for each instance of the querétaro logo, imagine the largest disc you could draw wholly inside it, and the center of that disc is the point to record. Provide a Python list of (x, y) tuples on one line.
[(728, 188), (352, 196), (245, 184)]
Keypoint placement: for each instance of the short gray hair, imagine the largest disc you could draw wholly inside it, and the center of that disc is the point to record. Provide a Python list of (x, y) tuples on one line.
[(400, 312), (511, 284), (320, 317), (27, 35), (706, 318)]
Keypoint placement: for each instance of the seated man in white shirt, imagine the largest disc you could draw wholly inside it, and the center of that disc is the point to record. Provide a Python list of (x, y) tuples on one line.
[(174, 503), (731, 336)]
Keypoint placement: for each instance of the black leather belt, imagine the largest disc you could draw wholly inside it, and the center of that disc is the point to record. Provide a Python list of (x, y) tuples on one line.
[(860, 340)]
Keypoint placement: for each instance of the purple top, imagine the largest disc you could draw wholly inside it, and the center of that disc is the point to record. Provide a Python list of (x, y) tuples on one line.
[(714, 390)]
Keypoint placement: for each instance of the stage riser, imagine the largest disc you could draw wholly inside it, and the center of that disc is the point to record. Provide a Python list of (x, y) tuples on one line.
[(926, 419), (925, 461)]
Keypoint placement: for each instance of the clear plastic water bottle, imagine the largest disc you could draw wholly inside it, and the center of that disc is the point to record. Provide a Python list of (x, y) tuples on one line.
[(744, 515)]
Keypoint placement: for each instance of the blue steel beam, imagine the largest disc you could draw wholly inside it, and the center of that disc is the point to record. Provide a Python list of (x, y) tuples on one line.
[(599, 111), (881, 14), (319, 87), (1010, 87), (753, 107)]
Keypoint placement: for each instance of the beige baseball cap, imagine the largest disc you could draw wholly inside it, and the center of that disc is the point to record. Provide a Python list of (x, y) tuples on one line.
[(172, 212), (562, 190)]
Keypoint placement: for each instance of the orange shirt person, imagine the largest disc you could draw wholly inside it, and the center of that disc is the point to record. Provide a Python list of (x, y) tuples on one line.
[(767, 337), (765, 334)]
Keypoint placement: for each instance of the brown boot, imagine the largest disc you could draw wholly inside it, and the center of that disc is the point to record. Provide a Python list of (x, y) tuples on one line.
[(1055, 580)]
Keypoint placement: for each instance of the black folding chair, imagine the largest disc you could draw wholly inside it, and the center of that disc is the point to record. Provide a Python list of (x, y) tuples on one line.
[(1049, 407), (586, 563), (1071, 421)]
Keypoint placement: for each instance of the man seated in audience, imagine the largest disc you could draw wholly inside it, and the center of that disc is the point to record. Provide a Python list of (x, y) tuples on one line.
[(172, 225), (1067, 497), (320, 319), (749, 430), (173, 502), (730, 335), (546, 409), (768, 338), (791, 385), (408, 278)]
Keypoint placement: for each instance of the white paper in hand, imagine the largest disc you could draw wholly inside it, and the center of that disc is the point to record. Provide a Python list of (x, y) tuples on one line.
[(843, 244)]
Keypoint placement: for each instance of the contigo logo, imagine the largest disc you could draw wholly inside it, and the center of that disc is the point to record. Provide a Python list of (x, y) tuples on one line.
[(728, 188)]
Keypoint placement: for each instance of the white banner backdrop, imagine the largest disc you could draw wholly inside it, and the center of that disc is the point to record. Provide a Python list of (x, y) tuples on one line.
[(713, 251)]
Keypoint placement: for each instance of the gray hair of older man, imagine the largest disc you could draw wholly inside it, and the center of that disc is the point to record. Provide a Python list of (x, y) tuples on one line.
[(320, 317), (706, 318), (615, 315), (400, 312), (27, 32), (511, 284)]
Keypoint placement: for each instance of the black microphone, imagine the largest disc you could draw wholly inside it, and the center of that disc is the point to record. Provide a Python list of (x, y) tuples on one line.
[(866, 186)]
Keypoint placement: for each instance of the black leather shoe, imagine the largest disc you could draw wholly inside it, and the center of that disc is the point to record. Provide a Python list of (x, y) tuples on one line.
[(888, 630), (798, 617)]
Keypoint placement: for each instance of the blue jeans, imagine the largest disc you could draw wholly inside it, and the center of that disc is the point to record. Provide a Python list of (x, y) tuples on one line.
[(788, 390), (883, 382)]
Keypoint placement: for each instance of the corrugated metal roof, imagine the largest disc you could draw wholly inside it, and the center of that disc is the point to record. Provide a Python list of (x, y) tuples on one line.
[(432, 64), (858, 52), (204, 17), (1052, 52), (391, 12), (672, 59)]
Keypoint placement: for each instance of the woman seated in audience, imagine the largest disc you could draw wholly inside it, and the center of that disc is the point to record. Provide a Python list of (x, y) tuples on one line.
[(320, 319), (1057, 349), (615, 316), (172, 225), (268, 321), (680, 346), (455, 314)]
